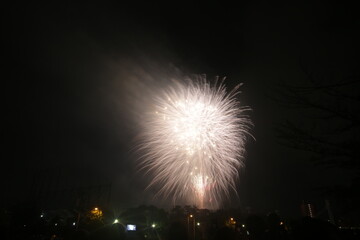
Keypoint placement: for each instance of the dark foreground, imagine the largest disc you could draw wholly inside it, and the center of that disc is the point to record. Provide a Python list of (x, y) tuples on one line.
[(180, 223)]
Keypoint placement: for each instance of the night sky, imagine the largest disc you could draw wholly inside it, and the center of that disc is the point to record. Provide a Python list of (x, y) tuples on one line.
[(77, 76)]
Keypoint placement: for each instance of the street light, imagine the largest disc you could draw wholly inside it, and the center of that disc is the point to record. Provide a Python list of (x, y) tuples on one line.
[(153, 225), (116, 221), (188, 222), (96, 214)]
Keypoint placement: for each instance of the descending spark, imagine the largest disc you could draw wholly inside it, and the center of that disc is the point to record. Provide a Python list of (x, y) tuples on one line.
[(194, 141)]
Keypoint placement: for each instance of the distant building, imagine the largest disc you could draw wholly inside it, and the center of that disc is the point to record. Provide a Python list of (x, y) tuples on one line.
[(308, 210)]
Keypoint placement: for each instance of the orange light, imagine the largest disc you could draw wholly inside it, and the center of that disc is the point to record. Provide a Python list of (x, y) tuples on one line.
[(96, 209), (232, 219)]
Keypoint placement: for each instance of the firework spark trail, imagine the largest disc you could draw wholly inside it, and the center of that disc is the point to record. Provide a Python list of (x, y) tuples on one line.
[(194, 142)]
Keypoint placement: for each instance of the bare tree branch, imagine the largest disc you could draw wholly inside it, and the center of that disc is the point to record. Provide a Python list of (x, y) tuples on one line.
[(333, 107)]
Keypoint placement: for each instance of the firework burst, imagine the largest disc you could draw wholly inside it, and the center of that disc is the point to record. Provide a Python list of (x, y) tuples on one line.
[(194, 142)]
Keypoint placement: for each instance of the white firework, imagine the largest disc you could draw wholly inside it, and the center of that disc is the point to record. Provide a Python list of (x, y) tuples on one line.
[(194, 142)]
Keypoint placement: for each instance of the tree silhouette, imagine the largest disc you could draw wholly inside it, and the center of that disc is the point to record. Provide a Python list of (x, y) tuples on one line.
[(326, 123), (327, 119)]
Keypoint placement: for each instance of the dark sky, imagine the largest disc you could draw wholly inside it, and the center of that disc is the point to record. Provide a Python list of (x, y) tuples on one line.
[(76, 75)]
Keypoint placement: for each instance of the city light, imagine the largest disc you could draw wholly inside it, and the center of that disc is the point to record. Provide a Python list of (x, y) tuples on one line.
[(116, 221), (153, 225), (131, 227), (96, 214), (198, 224)]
